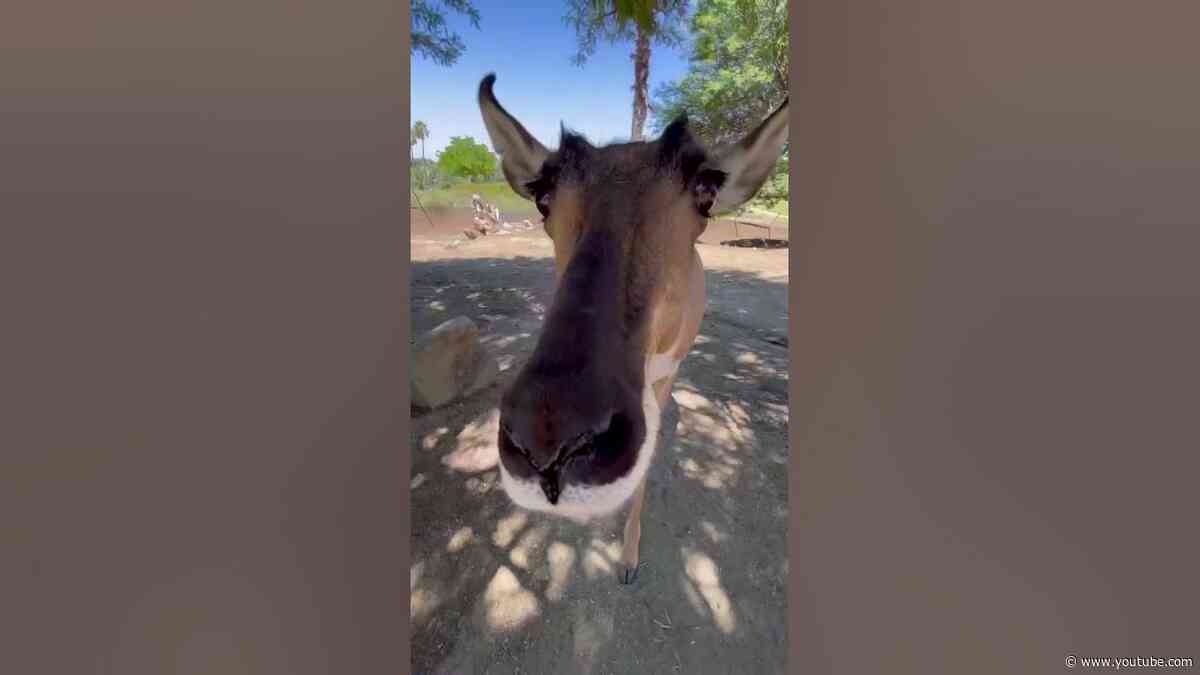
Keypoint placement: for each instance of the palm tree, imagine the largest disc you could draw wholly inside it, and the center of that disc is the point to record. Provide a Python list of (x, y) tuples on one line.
[(643, 22), (420, 132)]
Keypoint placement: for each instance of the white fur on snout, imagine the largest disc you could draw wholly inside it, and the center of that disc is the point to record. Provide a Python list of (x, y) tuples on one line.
[(582, 503)]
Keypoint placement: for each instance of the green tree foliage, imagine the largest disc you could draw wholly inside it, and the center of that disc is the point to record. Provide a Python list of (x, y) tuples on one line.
[(425, 175), (641, 22), (738, 69), (431, 37), (617, 21), (465, 158), (737, 75)]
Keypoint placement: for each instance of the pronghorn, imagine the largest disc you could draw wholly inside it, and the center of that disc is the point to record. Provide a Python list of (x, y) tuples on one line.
[(579, 424)]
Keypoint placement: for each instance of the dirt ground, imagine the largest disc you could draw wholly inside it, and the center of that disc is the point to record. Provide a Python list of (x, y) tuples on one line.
[(499, 590)]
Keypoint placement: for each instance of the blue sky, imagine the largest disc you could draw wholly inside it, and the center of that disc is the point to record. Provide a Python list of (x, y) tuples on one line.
[(529, 48)]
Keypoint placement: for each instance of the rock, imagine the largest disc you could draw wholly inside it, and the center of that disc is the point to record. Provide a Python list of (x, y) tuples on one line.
[(448, 363)]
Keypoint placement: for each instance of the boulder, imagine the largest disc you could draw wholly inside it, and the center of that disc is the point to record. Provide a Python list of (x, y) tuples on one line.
[(448, 363)]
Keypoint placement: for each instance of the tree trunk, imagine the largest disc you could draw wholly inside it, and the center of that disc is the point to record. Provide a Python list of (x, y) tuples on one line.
[(641, 82), (423, 167)]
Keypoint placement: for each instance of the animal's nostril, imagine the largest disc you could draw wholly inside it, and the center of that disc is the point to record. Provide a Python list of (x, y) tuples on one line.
[(604, 425), (562, 441), (513, 444)]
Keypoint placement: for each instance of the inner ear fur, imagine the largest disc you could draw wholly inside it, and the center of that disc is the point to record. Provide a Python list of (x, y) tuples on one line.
[(749, 162), (521, 155)]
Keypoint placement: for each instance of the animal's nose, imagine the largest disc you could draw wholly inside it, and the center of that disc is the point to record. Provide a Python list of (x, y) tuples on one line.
[(548, 432), (543, 430)]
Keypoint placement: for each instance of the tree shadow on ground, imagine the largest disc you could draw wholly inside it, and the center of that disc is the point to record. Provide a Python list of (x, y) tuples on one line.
[(498, 589)]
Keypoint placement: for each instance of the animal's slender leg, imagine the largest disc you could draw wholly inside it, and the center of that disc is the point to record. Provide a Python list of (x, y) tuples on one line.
[(633, 535), (633, 522)]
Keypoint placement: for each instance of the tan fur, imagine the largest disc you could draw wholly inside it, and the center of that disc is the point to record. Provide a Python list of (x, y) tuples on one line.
[(563, 227)]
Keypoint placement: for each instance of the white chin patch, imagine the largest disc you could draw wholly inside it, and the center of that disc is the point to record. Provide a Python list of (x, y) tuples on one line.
[(583, 503)]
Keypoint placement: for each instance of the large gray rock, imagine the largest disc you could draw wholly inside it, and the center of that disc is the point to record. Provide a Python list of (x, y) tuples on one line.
[(448, 363)]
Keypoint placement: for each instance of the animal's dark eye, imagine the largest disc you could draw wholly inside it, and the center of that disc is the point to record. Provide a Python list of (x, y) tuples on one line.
[(707, 184), (542, 190), (542, 200)]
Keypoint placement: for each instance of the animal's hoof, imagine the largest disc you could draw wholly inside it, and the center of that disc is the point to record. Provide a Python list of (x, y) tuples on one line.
[(628, 575)]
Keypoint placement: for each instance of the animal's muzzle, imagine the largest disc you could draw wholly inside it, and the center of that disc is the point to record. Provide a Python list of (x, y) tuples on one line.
[(602, 453)]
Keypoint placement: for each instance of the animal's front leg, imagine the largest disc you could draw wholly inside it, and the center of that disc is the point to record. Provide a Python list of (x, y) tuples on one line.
[(633, 522), (633, 536)]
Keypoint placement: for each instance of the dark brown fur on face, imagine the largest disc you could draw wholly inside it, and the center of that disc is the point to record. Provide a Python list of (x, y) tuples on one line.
[(623, 219)]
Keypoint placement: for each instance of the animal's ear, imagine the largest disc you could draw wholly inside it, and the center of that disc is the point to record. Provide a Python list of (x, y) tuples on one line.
[(747, 163), (521, 155)]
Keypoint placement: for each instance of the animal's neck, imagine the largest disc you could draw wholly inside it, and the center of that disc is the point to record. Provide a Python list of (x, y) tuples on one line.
[(671, 321)]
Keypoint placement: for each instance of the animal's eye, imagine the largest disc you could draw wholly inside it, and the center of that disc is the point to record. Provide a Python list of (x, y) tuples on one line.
[(542, 200), (708, 183), (542, 189)]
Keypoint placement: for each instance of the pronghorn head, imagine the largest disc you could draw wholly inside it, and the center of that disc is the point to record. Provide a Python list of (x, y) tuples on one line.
[(579, 424)]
